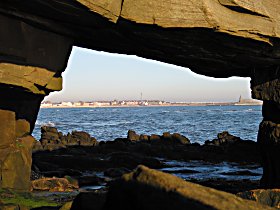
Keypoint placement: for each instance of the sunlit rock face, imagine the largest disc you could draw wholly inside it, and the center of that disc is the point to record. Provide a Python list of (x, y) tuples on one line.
[(218, 38)]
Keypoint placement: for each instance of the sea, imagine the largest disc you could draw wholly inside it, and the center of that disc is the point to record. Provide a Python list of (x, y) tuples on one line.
[(198, 123)]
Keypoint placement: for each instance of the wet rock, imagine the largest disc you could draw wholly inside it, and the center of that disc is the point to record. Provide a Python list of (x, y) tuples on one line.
[(130, 161), (83, 138), (231, 186), (54, 184), (150, 189), (51, 139), (89, 201), (224, 138), (115, 172), (89, 180), (270, 197)]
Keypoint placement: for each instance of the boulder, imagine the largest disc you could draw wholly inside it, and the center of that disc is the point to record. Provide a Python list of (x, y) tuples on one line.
[(224, 138), (51, 139), (180, 139), (144, 138), (155, 138), (132, 136), (89, 201), (166, 136), (150, 189)]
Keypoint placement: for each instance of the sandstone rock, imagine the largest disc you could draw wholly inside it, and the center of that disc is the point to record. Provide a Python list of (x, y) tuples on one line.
[(154, 138), (48, 129), (150, 189), (83, 138), (37, 147), (218, 38), (166, 137), (269, 197), (180, 139), (22, 128), (8, 128), (144, 138), (12, 175), (132, 136), (81, 135)]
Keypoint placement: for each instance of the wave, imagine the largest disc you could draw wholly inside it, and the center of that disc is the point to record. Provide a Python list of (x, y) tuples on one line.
[(49, 123)]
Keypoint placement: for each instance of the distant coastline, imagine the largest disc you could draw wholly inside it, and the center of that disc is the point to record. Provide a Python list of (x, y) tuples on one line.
[(152, 103)]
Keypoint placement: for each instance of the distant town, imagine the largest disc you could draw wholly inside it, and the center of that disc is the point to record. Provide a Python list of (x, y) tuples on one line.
[(135, 103)]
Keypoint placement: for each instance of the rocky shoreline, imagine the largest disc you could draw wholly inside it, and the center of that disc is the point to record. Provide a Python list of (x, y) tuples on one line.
[(77, 162)]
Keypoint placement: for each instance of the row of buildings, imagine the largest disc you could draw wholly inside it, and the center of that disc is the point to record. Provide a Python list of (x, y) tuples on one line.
[(48, 104), (116, 103)]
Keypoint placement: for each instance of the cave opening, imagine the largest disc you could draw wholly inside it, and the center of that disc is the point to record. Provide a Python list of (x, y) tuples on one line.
[(218, 38), (98, 79)]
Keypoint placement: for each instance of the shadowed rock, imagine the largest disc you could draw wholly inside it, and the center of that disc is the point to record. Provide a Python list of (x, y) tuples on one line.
[(150, 189)]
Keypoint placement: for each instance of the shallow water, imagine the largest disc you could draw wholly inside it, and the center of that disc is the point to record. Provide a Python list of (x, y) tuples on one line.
[(198, 123), (204, 170)]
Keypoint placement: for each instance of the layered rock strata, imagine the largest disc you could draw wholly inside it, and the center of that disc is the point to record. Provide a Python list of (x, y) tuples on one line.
[(32, 60), (218, 38)]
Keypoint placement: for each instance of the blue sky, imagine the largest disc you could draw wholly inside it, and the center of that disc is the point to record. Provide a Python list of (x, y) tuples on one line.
[(93, 76)]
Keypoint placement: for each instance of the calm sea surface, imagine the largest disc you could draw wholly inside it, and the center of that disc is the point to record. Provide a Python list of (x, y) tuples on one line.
[(198, 123)]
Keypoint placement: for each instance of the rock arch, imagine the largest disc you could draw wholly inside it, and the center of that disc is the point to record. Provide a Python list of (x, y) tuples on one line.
[(218, 38)]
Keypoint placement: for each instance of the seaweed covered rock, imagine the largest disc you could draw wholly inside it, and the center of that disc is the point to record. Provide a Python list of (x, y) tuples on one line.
[(55, 184)]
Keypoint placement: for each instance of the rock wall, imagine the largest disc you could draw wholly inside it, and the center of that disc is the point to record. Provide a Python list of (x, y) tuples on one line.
[(218, 38), (31, 62)]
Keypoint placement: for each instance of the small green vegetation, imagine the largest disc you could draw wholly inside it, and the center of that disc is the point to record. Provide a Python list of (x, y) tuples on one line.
[(24, 199)]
